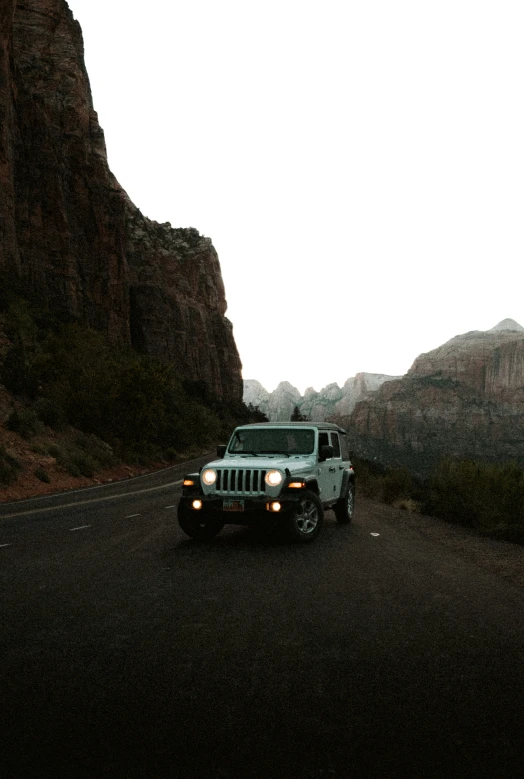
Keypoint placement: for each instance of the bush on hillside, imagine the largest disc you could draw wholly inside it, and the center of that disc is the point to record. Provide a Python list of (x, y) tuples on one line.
[(25, 422), (9, 467)]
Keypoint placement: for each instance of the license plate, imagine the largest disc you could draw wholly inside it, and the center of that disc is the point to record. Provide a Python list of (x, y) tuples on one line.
[(233, 505)]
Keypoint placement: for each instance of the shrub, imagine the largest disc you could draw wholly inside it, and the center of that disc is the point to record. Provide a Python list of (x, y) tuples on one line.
[(51, 413), (396, 484), (54, 450), (369, 477), (9, 467), (76, 462), (94, 447), (42, 474), (24, 422), (407, 504)]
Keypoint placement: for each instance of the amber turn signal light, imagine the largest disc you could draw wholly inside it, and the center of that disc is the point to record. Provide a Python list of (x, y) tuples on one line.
[(188, 483)]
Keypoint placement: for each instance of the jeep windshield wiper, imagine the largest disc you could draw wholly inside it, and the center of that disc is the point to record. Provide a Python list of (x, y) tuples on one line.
[(248, 451)]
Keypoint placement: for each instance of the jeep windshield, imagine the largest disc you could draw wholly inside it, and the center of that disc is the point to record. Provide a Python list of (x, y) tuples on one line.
[(284, 441)]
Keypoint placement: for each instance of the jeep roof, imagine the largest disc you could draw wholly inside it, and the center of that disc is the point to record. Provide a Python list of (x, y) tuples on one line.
[(318, 425)]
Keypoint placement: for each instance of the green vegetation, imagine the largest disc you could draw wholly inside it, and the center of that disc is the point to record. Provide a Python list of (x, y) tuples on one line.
[(128, 406), (485, 497), (25, 422), (255, 414), (395, 486), (296, 416), (435, 380), (42, 474), (9, 467), (488, 498)]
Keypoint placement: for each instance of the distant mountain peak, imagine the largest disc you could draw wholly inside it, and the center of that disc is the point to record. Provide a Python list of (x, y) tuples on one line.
[(507, 324)]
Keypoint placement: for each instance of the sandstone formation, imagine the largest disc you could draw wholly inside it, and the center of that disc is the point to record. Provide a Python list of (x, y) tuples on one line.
[(282, 402), (317, 406), (464, 399), (256, 395), (69, 230)]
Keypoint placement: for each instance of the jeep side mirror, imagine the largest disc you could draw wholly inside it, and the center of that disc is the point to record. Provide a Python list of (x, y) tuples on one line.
[(326, 452), (221, 450)]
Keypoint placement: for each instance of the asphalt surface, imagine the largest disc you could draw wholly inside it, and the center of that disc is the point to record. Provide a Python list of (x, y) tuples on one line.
[(390, 647)]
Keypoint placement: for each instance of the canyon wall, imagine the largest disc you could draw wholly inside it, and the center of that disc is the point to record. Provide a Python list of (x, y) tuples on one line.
[(464, 399), (69, 230)]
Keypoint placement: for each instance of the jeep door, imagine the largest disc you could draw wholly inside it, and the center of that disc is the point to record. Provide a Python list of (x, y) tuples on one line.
[(337, 463), (326, 472)]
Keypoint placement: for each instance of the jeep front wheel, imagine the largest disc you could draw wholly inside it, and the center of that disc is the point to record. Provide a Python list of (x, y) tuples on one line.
[(306, 519), (198, 525), (345, 507)]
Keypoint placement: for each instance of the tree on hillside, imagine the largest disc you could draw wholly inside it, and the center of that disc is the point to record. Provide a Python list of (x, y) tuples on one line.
[(255, 414), (296, 416)]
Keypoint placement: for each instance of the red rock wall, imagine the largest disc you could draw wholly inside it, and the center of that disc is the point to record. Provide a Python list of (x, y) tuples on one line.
[(465, 401), (69, 229)]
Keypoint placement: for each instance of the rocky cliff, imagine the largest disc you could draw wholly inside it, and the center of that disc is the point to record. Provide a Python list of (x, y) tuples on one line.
[(464, 399), (69, 230), (331, 401)]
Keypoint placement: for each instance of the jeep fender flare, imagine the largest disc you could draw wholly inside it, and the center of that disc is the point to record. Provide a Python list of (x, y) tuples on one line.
[(347, 479), (312, 485)]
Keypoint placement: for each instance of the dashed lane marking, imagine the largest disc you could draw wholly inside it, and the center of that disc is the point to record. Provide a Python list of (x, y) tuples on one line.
[(93, 500), (170, 507), (130, 516), (1, 545), (374, 534), (81, 527)]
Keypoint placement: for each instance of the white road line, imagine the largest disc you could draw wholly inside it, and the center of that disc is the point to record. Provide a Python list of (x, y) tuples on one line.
[(1, 545), (170, 507), (93, 500), (129, 516), (82, 527), (374, 534)]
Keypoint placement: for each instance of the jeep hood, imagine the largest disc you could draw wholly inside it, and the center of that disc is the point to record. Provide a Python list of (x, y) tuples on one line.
[(294, 464)]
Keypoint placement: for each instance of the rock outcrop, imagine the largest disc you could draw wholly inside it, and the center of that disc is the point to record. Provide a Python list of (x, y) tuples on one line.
[(331, 401), (68, 229), (256, 395), (282, 402), (464, 399)]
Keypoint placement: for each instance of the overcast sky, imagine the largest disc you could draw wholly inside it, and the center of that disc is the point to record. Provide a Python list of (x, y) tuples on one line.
[(359, 165)]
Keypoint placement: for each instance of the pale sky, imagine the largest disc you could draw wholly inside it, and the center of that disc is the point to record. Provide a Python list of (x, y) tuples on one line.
[(359, 166)]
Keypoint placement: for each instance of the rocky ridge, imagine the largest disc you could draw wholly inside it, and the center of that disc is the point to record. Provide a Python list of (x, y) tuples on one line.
[(464, 399), (69, 230), (330, 401)]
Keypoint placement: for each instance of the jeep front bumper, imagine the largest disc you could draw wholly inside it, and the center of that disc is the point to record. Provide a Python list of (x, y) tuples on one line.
[(238, 510)]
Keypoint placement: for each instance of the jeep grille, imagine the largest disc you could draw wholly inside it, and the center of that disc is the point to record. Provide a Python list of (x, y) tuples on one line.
[(240, 481)]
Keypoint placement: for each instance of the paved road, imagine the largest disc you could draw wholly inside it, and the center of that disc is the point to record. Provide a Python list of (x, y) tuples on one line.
[(392, 647)]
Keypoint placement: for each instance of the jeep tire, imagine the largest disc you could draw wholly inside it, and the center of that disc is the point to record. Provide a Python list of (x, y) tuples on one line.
[(306, 518), (345, 507), (198, 525)]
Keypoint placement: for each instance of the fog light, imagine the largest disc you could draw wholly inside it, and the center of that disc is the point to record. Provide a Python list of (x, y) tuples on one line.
[(275, 506), (197, 504)]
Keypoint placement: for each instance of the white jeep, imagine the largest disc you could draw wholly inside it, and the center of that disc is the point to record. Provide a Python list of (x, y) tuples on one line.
[(280, 476)]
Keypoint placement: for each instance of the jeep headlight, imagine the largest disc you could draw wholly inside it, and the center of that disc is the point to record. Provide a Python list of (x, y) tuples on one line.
[(273, 478), (209, 476)]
